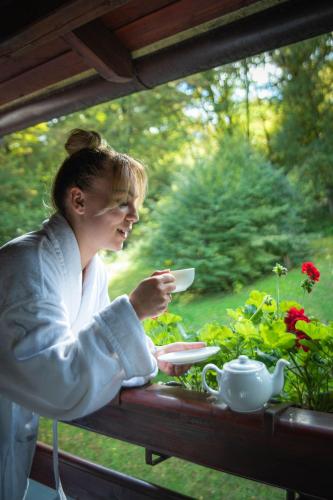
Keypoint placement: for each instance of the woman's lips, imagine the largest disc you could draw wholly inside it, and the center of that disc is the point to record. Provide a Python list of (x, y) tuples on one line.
[(123, 233)]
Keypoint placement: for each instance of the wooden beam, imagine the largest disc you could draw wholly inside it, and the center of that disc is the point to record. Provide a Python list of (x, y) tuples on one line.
[(182, 15), (287, 23), (57, 69), (101, 49), (133, 11), (283, 446), (66, 18), (35, 112), (85, 480), (36, 57)]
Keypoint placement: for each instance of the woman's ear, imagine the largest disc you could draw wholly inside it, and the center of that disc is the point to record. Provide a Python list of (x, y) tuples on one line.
[(77, 200)]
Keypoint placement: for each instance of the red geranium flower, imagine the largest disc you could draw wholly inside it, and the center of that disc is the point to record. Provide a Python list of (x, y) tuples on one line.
[(294, 315), (310, 269)]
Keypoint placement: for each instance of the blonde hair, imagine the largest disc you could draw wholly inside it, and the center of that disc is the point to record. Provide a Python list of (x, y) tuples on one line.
[(90, 157)]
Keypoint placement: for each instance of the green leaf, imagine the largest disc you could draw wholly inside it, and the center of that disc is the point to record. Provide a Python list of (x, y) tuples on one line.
[(256, 298), (213, 333), (285, 305), (246, 328), (235, 314), (168, 318), (316, 331), (274, 335)]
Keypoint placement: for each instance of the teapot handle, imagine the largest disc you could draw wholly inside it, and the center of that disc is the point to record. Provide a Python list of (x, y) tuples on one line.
[(214, 368)]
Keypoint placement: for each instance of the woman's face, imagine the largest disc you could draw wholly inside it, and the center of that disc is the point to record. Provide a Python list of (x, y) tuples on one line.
[(107, 224)]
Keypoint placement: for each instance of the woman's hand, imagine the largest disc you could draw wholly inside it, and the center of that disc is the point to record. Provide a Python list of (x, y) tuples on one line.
[(169, 368), (152, 296)]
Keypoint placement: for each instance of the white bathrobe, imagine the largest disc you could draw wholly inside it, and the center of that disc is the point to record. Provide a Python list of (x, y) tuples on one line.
[(65, 350)]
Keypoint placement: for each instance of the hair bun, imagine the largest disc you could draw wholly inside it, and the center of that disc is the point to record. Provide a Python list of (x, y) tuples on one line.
[(80, 139)]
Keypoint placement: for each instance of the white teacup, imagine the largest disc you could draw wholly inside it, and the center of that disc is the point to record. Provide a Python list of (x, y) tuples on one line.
[(184, 278)]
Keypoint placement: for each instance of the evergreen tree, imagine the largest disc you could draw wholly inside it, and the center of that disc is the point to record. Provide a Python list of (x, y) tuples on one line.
[(231, 217)]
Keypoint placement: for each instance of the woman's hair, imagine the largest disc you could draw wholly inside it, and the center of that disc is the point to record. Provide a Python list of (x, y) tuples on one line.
[(89, 158)]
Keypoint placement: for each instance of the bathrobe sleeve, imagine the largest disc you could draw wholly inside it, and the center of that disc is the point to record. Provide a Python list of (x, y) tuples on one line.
[(103, 302), (48, 370)]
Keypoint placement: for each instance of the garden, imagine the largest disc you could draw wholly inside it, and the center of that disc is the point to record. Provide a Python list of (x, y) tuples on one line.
[(240, 163)]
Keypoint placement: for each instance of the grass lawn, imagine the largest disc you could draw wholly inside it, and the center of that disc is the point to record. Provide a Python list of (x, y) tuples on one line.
[(320, 302), (196, 481)]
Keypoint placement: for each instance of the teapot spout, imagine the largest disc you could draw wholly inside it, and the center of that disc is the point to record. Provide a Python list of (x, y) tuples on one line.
[(278, 376)]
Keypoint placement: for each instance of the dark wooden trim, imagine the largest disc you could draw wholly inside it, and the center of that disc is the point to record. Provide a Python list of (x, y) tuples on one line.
[(181, 16), (41, 76), (40, 55), (101, 49), (108, 53), (133, 11), (286, 23), (61, 101), (66, 18), (289, 448), (87, 481)]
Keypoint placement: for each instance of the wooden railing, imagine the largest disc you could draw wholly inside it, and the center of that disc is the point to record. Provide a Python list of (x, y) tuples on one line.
[(283, 446)]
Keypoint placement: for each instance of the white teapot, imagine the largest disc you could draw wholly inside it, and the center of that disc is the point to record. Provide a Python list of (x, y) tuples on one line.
[(245, 385)]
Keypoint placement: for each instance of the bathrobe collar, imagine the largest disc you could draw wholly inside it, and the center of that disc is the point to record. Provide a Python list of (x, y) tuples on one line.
[(65, 244), (78, 296), (66, 247)]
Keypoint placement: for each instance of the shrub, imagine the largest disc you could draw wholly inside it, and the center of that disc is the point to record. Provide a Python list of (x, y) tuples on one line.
[(230, 217)]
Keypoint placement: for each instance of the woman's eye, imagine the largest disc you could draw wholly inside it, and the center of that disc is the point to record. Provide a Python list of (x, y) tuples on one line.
[(124, 204)]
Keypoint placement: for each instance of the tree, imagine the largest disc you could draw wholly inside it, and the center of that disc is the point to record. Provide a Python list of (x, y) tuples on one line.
[(231, 217), (24, 182), (151, 126), (303, 143)]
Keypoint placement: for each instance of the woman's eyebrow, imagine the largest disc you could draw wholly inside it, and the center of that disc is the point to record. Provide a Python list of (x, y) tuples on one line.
[(129, 194)]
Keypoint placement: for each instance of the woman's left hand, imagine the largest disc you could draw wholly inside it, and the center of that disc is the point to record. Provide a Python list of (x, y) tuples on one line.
[(169, 368)]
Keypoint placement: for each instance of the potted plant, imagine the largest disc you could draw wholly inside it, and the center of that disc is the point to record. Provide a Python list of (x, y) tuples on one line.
[(267, 329)]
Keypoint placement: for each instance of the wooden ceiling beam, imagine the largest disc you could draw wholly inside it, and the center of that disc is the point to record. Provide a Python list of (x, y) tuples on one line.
[(101, 50), (47, 52), (152, 26), (57, 69), (66, 18), (289, 22), (129, 13)]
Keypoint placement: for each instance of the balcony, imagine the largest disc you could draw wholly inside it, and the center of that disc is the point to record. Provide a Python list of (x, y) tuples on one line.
[(282, 446)]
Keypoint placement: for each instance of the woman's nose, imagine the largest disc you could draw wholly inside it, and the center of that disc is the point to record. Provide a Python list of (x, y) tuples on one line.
[(133, 213)]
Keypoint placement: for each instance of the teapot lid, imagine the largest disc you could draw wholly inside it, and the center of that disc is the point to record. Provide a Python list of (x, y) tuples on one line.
[(243, 364)]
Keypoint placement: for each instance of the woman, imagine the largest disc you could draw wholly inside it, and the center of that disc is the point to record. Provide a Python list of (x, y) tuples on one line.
[(65, 351)]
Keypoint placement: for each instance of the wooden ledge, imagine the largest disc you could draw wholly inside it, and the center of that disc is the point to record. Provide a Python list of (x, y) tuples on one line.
[(85, 480), (287, 447)]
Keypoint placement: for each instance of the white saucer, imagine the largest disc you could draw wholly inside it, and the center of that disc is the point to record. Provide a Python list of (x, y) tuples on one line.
[(190, 356)]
